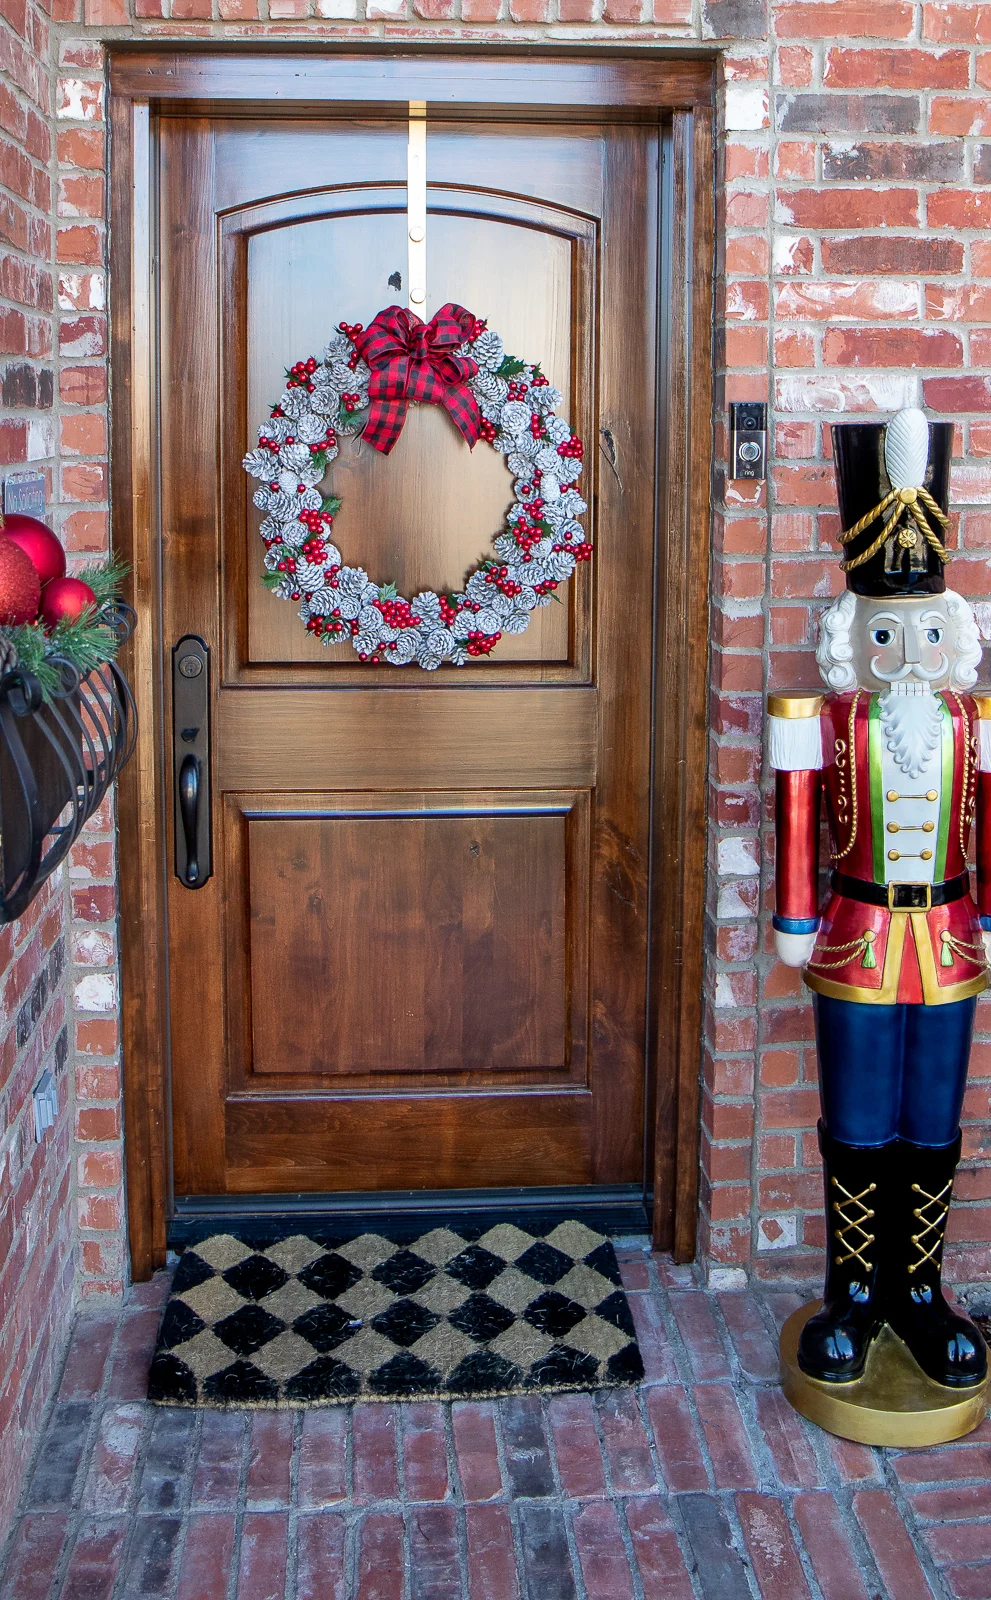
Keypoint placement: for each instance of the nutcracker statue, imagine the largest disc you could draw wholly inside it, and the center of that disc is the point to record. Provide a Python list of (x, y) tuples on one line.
[(899, 753)]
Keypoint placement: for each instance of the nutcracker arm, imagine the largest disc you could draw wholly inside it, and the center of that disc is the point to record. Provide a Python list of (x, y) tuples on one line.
[(982, 810), (796, 756)]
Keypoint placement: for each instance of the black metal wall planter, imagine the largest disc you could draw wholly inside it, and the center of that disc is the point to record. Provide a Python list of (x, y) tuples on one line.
[(58, 757)]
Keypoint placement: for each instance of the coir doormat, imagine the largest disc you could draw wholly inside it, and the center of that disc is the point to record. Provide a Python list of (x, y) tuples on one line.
[(457, 1313)]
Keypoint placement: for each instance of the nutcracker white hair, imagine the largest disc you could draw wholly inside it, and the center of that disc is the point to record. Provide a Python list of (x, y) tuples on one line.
[(835, 652)]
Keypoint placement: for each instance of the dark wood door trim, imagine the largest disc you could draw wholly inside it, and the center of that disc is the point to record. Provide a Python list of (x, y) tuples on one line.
[(149, 81)]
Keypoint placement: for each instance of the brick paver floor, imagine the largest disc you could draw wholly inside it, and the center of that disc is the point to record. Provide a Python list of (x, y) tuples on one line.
[(701, 1483)]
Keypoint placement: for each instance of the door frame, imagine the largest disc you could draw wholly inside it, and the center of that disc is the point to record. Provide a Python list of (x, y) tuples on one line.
[(146, 81)]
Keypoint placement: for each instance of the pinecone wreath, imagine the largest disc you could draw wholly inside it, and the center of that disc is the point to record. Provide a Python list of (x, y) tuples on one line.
[(364, 384)]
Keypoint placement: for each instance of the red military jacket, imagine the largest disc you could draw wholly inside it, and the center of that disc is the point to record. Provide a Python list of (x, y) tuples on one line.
[(883, 828)]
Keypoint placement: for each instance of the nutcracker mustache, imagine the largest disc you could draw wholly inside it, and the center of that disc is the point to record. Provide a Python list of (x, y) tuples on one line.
[(911, 723), (910, 669)]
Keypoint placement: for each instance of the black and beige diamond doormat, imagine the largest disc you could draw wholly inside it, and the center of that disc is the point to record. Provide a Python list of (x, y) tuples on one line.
[(457, 1313)]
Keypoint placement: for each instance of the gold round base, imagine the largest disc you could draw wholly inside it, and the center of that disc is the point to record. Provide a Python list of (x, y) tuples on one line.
[(894, 1403)]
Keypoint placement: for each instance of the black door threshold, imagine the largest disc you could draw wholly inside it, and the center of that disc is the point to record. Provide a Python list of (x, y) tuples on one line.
[(400, 1214)]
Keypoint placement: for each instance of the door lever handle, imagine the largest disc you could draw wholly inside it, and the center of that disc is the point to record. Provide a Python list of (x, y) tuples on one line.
[(189, 807), (191, 775)]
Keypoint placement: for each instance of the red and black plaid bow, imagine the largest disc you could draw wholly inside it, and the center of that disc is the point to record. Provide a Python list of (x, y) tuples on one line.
[(414, 360)]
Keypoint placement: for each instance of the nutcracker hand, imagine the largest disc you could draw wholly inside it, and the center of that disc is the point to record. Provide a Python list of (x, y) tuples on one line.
[(794, 949), (986, 936)]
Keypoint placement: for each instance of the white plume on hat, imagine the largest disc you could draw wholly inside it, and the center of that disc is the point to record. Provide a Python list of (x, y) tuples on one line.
[(906, 448)]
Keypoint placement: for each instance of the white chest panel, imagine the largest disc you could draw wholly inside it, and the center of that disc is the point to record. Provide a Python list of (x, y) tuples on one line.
[(911, 819)]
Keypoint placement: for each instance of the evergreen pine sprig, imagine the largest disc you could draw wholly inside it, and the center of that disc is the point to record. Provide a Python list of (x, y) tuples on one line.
[(85, 640)]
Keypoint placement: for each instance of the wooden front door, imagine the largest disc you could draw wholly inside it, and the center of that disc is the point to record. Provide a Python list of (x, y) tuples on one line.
[(421, 960)]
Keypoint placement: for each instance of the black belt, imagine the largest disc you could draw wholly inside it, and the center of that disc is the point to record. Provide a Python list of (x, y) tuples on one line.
[(901, 896)]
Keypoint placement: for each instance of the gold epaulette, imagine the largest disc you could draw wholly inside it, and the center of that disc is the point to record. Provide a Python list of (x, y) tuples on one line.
[(805, 703), (982, 700)]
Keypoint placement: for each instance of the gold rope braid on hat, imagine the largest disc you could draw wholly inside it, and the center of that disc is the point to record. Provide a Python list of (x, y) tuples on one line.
[(906, 503)]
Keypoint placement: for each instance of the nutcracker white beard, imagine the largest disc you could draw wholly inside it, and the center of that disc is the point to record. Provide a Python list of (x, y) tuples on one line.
[(911, 720)]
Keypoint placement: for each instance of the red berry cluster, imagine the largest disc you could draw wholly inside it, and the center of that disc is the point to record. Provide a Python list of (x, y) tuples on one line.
[(517, 391), (327, 625), (448, 610), (351, 331), (527, 534), (317, 521), (499, 578), (537, 426), (487, 430), (351, 402), (572, 448), (315, 550), (539, 381), (478, 326), (328, 442), (582, 552), (397, 613), (482, 644), (301, 375)]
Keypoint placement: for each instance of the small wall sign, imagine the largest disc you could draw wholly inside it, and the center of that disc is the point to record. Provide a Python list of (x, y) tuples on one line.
[(25, 493)]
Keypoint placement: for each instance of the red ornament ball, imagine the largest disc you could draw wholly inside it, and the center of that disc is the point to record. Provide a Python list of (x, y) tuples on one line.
[(65, 599), (20, 586), (38, 543)]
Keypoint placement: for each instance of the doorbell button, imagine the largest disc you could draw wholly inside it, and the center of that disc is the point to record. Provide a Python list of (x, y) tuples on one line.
[(418, 235), (748, 439)]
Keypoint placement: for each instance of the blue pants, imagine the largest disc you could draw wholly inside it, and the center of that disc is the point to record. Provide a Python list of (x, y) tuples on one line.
[(892, 1072)]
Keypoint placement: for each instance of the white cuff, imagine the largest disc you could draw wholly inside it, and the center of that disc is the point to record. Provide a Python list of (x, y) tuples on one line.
[(796, 744), (984, 760)]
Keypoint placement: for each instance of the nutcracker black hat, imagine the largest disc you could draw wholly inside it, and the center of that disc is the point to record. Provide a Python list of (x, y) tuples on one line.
[(893, 485)]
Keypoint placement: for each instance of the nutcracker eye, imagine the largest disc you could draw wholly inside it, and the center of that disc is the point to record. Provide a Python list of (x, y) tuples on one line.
[(882, 636), (934, 635)]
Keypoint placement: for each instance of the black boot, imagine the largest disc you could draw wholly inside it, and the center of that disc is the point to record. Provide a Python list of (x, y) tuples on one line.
[(834, 1343), (947, 1347)]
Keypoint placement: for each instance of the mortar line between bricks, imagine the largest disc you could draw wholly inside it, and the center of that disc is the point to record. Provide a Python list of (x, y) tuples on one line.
[(455, 1497), (904, 1506), (185, 1512), (627, 1538), (682, 1360), (292, 1518), (667, 1496), (240, 1506), (561, 1499), (861, 1544), (511, 1503)]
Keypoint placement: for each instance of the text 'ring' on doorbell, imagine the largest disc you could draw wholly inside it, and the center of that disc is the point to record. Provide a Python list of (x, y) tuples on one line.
[(748, 439)]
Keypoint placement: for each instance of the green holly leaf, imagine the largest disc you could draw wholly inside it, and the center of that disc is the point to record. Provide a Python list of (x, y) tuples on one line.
[(511, 367), (331, 503), (271, 580), (388, 591)]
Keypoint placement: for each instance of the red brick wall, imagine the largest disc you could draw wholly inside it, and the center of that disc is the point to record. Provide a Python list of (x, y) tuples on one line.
[(36, 1243), (855, 182), (60, 1200)]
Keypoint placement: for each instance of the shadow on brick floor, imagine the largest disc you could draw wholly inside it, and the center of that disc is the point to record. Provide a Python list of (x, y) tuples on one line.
[(702, 1483)]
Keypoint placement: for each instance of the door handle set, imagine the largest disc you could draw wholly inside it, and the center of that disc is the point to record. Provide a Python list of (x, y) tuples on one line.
[(191, 761)]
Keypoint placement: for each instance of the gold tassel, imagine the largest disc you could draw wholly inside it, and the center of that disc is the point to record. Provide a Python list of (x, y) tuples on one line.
[(869, 958)]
